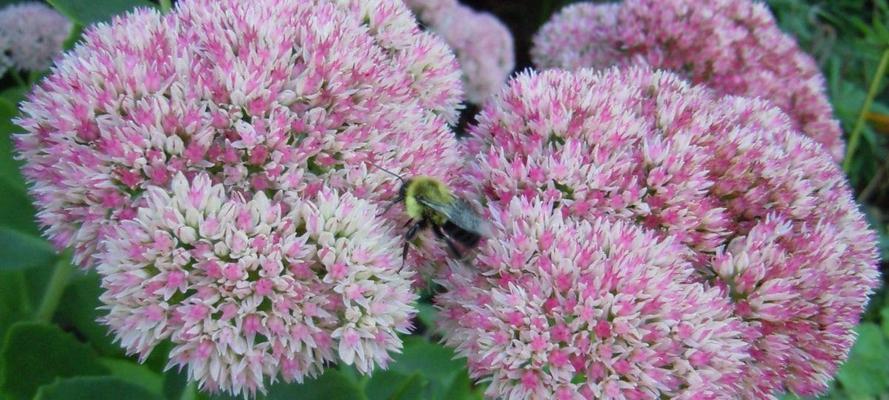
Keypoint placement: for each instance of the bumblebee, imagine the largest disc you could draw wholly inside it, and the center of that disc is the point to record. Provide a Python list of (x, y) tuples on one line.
[(431, 205)]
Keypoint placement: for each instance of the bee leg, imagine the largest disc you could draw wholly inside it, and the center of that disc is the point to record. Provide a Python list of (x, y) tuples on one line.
[(410, 235), (455, 252), (397, 200)]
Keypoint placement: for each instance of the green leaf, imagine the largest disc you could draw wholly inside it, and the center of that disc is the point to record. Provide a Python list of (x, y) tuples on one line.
[(18, 212), (35, 354), (462, 388), (7, 108), (174, 383), (158, 358), (74, 37), (19, 250), (9, 168), (14, 95), (435, 362), (866, 373), (79, 309), (89, 12), (428, 314), (91, 388), (330, 386), (135, 374), (884, 316), (391, 385), (15, 303)]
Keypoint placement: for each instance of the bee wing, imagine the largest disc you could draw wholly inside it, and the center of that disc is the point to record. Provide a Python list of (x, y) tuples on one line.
[(461, 214)]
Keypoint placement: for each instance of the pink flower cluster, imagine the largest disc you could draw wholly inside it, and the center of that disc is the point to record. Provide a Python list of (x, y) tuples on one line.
[(272, 96), (248, 289), (565, 309), (31, 36), (216, 163), (734, 47), (484, 46), (766, 219)]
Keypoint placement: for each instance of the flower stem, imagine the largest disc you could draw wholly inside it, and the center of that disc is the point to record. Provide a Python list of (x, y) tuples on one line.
[(166, 5), (855, 137), (54, 290)]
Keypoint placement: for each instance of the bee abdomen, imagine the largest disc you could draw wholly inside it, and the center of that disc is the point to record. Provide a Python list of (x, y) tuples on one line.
[(460, 235)]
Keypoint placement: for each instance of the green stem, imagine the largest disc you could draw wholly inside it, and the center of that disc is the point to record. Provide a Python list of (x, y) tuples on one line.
[(855, 137), (166, 5), (54, 290)]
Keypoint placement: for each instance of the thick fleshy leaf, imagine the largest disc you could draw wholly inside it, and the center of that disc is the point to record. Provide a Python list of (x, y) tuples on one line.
[(89, 12), (16, 206), (391, 385), (866, 373), (330, 386), (91, 388), (35, 354), (20, 250), (15, 303), (884, 314), (137, 374), (428, 314), (175, 382), (18, 213), (462, 388), (434, 362), (79, 309)]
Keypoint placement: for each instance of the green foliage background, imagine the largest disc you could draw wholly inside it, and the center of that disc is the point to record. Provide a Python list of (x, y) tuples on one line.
[(52, 348)]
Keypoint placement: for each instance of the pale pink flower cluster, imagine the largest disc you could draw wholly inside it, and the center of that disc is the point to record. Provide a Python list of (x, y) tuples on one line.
[(732, 46), (766, 218), (483, 45), (31, 36), (250, 289), (264, 96), (217, 164)]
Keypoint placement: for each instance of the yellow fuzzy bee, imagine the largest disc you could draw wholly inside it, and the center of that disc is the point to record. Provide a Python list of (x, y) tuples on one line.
[(432, 205)]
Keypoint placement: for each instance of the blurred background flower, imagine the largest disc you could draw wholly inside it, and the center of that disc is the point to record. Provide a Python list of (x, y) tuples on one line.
[(31, 36), (483, 45)]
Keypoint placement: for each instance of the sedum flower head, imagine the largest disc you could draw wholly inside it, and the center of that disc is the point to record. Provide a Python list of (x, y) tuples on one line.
[(267, 95), (734, 47), (483, 45), (767, 215), (581, 35), (251, 290), (31, 36), (561, 309)]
